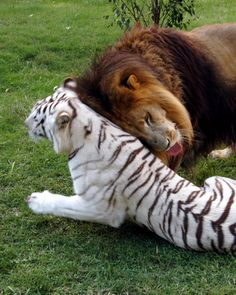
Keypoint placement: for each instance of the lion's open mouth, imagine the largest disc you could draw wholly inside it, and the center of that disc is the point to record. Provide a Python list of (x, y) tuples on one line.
[(175, 150)]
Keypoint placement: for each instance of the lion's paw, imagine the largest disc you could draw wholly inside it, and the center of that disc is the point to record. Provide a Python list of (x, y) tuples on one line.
[(221, 154), (41, 203)]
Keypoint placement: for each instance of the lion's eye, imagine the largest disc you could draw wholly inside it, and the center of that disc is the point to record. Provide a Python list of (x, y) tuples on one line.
[(148, 119)]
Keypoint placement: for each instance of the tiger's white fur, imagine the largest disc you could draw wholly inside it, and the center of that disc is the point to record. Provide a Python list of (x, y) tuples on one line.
[(116, 178)]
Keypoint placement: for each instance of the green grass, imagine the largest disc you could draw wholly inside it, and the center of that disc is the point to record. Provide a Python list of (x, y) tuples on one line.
[(42, 42)]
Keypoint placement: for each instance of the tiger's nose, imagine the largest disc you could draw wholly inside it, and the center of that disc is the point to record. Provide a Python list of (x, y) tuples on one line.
[(27, 122)]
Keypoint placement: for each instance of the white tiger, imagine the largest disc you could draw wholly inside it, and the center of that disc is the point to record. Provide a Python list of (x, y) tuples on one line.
[(116, 178)]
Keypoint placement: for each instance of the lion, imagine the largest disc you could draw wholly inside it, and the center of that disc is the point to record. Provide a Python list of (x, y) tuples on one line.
[(174, 90)]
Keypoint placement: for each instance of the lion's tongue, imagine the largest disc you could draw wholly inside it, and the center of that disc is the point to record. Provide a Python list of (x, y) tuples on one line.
[(175, 149)]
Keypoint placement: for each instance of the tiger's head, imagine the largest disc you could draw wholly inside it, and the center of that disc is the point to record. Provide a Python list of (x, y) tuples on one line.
[(52, 118)]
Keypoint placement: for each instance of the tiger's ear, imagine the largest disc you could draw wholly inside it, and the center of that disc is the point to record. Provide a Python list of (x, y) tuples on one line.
[(63, 119), (133, 82), (70, 83)]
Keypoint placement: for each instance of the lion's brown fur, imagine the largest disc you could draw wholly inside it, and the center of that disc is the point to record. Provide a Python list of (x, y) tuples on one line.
[(179, 71)]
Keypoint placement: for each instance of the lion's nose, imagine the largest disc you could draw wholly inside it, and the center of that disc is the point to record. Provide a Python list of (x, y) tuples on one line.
[(171, 134)]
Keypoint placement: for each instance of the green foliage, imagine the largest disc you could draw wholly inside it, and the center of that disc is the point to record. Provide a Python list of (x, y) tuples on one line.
[(41, 43), (164, 13)]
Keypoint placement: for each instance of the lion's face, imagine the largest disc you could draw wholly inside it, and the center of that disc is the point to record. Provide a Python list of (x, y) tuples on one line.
[(149, 111), (155, 128)]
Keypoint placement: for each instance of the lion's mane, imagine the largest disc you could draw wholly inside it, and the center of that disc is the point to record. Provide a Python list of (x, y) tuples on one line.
[(183, 78)]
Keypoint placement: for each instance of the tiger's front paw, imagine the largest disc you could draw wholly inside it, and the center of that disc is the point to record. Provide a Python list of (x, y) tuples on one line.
[(41, 203)]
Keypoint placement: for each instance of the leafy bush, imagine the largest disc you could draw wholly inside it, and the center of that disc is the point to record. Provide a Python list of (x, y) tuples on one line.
[(164, 13)]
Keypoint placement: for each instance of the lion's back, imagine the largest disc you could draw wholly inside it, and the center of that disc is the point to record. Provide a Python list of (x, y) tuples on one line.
[(220, 41)]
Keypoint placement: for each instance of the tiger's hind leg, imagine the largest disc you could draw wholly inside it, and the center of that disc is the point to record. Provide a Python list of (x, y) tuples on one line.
[(75, 207), (224, 153)]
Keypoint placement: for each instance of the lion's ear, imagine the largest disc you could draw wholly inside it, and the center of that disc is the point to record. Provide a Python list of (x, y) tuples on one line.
[(133, 82), (63, 119)]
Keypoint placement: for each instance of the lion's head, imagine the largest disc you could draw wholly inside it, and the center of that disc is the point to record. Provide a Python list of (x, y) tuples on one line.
[(127, 91), (151, 112)]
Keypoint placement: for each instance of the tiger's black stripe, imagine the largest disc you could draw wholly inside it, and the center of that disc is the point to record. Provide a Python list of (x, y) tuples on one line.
[(118, 150), (74, 153), (102, 135), (130, 159), (141, 185)]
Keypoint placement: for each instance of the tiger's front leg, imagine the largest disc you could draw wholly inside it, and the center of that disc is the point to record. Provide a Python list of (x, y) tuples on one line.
[(75, 207)]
